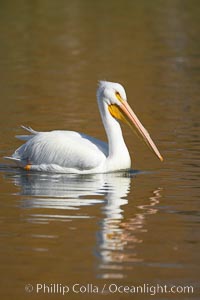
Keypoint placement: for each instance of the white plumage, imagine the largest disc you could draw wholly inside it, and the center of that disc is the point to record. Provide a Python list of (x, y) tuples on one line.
[(73, 152)]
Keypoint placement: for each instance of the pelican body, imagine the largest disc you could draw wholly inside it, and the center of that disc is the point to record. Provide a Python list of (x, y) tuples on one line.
[(72, 152)]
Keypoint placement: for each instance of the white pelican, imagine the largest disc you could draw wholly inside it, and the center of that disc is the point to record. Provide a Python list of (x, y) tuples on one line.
[(73, 152)]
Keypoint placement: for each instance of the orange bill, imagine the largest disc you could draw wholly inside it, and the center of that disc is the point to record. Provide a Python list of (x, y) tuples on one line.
[(124, 113)]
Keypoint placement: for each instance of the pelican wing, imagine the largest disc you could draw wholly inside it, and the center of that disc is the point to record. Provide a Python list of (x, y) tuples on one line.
[(68, 149), (26, 137)]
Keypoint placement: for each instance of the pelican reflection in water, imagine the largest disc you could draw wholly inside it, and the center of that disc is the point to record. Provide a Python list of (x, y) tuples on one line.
[(65, 194), (73, 152)]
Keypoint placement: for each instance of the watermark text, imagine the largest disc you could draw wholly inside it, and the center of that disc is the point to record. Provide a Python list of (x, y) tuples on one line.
[(107, 288)]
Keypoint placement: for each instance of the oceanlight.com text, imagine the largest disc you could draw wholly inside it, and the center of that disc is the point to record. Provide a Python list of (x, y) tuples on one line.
[(107, 288)]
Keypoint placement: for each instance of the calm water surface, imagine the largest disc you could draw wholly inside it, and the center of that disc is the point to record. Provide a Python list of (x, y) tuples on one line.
[(131, 228)]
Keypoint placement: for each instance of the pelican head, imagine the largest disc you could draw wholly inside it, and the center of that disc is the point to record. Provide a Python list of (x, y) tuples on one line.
[(110, 92), (114, 96)]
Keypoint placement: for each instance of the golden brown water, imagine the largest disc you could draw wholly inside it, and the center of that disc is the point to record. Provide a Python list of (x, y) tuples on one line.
[(124, 229)]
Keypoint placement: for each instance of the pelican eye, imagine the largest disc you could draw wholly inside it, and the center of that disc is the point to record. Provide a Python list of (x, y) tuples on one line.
[(117, 94)]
